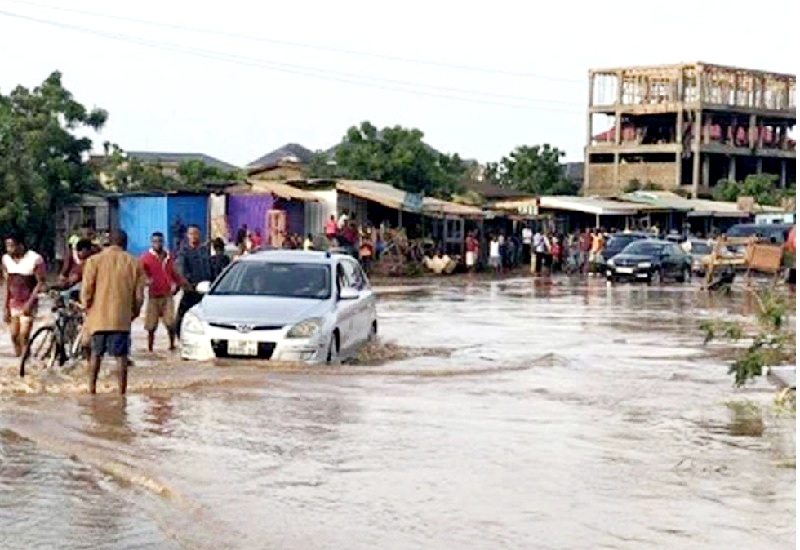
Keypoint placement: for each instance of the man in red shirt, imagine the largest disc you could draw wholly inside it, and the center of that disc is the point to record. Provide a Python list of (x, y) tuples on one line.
[(472, 247), (164, 281), (331, 228), (584, 249)]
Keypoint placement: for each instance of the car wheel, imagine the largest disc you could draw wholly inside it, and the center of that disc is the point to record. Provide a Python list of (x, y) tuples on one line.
[(373, 332), (611, 279), (684, 276), (333, 349)]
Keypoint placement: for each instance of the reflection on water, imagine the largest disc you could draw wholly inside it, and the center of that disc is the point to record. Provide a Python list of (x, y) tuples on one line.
[(522, 413)]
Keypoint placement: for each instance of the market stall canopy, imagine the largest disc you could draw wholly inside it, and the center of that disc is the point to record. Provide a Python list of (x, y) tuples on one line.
[(277, 188), (397, 199), (438, 207), (587, 205), (666, 200)]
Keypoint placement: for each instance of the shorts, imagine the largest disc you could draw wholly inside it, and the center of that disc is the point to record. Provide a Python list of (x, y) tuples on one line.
[(16, 313), (470, 259), (115, 344), (494, 261), (593, 257), (159, 308)]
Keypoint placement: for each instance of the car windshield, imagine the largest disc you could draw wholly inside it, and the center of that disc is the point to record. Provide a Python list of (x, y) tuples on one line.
[(289, 280), (701, 248), (742, 230), (644, 248), (618, 242)]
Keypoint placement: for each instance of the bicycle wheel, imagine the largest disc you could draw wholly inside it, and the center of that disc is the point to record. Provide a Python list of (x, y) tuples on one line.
[(73, 330), (40, 352)]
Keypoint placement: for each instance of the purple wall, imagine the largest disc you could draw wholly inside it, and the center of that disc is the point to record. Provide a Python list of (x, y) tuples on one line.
[(250, 210)]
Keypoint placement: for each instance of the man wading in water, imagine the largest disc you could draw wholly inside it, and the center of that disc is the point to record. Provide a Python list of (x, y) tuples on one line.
[(163, 283), (112, 292), (24, 273), (194, 265)]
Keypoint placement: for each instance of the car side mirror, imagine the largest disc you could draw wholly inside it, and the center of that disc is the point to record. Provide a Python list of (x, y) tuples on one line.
[(348, 293), (203, 287)]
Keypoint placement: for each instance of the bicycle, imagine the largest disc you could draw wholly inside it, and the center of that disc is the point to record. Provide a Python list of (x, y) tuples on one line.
[(58, 343)]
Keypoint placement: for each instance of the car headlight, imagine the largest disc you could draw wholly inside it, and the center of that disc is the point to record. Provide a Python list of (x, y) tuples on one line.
[(192, 324), (644, 265), (611, 262), (305, 329)]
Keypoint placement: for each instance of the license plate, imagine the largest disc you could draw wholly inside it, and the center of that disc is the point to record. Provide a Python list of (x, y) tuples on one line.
[(625, 270), (242, 347)]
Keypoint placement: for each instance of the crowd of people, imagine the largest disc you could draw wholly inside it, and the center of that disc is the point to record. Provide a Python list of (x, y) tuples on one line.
[(111, 284)]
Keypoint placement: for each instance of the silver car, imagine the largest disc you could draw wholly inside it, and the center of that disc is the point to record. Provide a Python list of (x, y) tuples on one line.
[(283, 305)]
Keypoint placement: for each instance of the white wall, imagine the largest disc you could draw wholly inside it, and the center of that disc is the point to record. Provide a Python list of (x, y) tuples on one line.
[(317, 213)]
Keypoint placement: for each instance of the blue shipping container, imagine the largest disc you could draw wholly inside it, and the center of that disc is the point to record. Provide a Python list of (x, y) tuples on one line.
[(141, 216)]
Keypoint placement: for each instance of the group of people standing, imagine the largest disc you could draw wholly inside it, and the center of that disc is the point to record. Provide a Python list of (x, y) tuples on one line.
[(111, 286), (545, 251)]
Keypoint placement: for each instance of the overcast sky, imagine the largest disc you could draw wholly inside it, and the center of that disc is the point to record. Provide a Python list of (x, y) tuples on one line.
[(479, 78)]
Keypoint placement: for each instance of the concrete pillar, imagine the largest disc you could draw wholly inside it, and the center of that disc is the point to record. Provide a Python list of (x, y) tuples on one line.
[(759, 165), (751, 132), (783, 174), (698, 121), (679, 140), (732, 168), (706, 161), (589, 133)]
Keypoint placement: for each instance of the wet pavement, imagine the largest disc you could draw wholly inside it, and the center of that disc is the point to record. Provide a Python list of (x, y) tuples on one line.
[(513, 414)]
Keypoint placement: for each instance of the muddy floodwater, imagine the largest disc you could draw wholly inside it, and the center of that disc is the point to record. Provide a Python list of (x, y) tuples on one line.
[(513, 414)]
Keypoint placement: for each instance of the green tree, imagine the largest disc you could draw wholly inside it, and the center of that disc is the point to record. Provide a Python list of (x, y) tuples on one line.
[(43, 164), (532, 169), (196, 175), (762, 187), (394, 155), (323, 166)]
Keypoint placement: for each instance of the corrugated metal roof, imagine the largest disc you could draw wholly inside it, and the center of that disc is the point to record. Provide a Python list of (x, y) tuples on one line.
[(374, 191), (433, 206), (395, 198), (276, 188), (588, 205), (696, 207)]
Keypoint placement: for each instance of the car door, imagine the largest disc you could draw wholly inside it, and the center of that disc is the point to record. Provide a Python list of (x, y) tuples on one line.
[(678, 260), (345, 309), (362, 320), (366, 310)]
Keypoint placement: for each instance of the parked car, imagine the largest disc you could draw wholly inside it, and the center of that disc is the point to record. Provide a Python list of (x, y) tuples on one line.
[(650, 260), (615, 245), (283, 305), (700, 251), (774, 233)]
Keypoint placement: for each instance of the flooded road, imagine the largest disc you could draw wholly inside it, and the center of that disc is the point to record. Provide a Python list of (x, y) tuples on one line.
[(511, 414)]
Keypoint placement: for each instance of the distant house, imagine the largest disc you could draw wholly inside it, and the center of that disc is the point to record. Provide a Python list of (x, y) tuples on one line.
[(169, 162), (289, 153)]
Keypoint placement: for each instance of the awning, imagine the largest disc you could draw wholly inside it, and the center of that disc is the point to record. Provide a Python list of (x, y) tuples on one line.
[(397, 199), (694, 207), (587, 205), (373, 191), (276, 188), (437, 207)]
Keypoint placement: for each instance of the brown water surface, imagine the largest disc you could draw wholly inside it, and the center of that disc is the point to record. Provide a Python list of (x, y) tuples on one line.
[(515, 414)]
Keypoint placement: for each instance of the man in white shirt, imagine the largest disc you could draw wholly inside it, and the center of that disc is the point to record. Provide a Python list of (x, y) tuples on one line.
[(527, 241), (343, 219), (495, 260)]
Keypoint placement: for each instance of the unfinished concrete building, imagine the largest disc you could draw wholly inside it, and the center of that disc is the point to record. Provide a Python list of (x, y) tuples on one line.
[(687, 127)]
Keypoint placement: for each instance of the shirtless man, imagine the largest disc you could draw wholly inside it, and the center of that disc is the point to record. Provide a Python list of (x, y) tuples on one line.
[(24, 273)]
